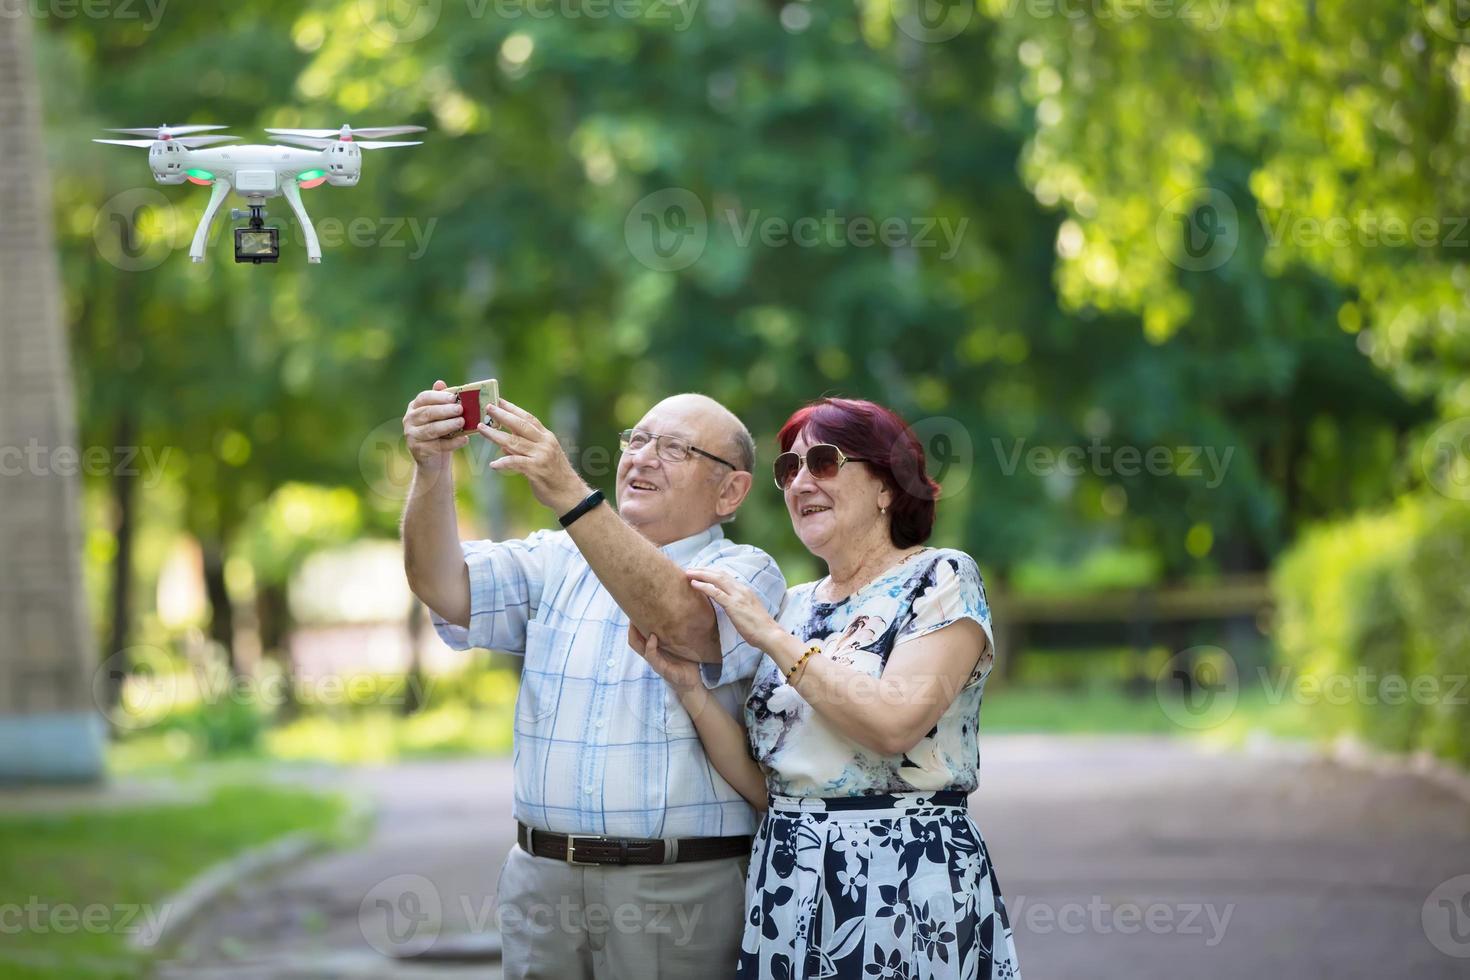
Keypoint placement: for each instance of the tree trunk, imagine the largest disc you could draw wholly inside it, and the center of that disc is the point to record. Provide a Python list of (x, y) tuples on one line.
[(273, 616), (50, 726), (120, 631), (414, 682), (221, 612)]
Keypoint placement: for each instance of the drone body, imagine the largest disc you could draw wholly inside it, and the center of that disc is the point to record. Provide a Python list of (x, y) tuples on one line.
[(258, 172)]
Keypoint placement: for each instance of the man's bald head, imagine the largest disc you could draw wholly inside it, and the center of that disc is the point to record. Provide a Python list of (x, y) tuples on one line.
[(671, 500), (720, 427)]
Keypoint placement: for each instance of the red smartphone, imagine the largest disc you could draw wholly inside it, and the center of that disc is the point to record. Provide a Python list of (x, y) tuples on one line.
[(470, 401)]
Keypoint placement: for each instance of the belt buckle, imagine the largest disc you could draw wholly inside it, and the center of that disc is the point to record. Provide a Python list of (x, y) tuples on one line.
[(572, 846)]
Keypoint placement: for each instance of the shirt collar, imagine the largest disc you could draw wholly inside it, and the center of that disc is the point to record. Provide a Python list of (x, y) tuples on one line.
[(682, 552)]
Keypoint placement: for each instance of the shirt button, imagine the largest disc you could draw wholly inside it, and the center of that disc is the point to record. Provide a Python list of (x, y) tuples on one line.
[(588, 789), (601, 723), (611, 662)]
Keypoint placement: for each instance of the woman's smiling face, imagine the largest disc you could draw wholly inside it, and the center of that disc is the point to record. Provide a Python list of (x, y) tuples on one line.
[(829, 515)]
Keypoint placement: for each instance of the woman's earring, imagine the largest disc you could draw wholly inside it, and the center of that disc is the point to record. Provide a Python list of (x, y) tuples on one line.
[(882, 510)]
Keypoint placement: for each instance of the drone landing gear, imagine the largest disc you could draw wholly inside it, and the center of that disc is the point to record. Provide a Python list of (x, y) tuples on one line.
[(293, 197), (217, 194)]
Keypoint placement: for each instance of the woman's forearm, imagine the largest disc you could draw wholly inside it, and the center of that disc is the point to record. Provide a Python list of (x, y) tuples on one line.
[(878, 713), (726, 744)]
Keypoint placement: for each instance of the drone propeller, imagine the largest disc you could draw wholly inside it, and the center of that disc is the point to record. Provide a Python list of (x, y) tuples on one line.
[(346, 133), (195, 142), (166, 132), (317, 143), (189, 142)]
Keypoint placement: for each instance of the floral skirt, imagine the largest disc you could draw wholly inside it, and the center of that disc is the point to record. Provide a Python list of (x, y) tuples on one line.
[(874, 888)]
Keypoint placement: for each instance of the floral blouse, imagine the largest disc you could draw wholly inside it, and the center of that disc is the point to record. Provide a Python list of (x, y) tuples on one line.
[(802, 754)]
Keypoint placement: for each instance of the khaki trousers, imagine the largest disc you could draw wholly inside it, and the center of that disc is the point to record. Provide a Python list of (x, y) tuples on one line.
[(563, 921)]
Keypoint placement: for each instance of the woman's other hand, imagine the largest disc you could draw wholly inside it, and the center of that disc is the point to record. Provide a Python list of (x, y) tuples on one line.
[(741, 603)]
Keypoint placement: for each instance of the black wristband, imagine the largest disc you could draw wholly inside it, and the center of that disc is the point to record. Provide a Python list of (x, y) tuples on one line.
[(588, 502)]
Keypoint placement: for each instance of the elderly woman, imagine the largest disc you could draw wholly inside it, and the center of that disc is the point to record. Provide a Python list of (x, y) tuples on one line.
[(862, 722)]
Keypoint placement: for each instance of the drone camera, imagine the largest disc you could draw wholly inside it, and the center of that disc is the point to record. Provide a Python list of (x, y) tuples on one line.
[(257, 243)]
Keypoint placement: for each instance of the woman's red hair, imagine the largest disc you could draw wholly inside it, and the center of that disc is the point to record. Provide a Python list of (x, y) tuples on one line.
[(889, 448)]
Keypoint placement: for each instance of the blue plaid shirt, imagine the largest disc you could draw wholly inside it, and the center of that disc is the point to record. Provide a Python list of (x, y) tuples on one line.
[(602, 745)]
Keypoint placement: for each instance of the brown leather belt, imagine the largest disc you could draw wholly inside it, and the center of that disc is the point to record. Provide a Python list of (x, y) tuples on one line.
[(594, 849)]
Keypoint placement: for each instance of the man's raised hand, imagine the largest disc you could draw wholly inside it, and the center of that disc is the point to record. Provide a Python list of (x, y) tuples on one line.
[(433, 426), (531, 449)]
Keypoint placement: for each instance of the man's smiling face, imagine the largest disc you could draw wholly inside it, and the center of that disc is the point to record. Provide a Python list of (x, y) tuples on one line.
[(668, 500)]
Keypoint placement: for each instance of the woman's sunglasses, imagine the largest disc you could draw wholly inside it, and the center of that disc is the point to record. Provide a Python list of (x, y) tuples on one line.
[(823, 461)]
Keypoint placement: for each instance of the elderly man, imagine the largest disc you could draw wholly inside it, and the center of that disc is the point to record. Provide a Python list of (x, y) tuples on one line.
[(632, 849)]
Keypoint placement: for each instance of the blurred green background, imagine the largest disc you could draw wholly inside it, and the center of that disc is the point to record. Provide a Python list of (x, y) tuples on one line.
[(1177, 301)]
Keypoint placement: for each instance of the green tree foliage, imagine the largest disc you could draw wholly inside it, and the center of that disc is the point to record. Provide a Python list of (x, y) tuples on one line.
[(1028, 298)]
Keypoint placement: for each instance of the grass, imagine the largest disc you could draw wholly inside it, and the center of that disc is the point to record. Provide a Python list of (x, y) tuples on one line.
[(1066, 711), (1109, 710), (74, 887)]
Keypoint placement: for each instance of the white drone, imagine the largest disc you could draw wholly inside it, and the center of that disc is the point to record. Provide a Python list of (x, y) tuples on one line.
[(257, 172)]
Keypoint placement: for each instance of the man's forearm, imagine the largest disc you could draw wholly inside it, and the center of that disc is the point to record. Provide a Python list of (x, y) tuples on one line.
[(432, 558), (647, 585)]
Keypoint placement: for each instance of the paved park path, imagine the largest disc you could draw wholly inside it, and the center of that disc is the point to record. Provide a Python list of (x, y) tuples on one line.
[(1139, 858)]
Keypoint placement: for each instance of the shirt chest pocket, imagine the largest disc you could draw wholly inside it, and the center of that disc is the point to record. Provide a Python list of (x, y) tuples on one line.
[(547, 649)]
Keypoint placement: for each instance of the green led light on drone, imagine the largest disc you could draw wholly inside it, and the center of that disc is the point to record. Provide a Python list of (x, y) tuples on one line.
[(306, 175), (198, 174)]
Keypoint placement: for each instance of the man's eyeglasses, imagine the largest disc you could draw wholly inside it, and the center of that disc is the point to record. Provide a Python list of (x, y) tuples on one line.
[(671, 448), (823, 460)]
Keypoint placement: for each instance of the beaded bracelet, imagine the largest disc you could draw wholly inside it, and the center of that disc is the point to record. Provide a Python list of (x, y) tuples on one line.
[(814, 648)]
